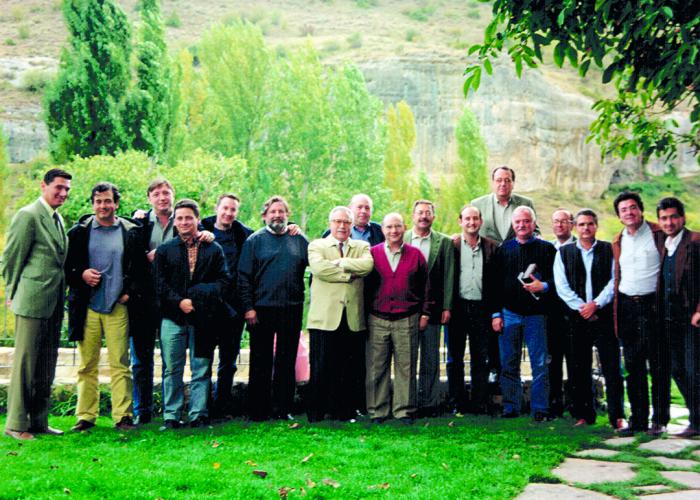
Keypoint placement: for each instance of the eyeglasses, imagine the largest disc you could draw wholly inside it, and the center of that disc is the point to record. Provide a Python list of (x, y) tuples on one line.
[(341, 222)]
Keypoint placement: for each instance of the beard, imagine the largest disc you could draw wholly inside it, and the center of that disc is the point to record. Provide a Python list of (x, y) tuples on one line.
[(278, 226)]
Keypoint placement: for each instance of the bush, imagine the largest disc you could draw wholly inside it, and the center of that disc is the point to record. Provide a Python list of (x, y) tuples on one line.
[(474, 14), (36, 80), (331, 47), (421, 14), (23, 32), (307, 29), (355, 40), (412, 35), (173, 20), (366, 4), (10, 42)]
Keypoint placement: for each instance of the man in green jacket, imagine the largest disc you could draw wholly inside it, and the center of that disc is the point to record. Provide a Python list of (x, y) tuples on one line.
[(32, 267)]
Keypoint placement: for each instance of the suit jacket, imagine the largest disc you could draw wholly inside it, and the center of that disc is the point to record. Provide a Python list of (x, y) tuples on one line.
[(488, 249), (687, 278), (617, 249), (32, 262), (487, 205), (441, 270), (333, 288)]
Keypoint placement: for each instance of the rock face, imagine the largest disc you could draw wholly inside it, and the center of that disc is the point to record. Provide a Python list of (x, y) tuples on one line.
[(25, 133)]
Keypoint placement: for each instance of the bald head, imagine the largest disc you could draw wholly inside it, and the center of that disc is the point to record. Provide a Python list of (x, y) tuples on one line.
[(393, 228), (361, 206)]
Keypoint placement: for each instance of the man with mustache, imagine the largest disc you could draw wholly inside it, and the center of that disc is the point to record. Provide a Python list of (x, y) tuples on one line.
[(271, 289), (32, 267)]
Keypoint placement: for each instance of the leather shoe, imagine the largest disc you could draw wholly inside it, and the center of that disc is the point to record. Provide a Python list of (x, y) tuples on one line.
[(142, 419), (688, 432), (656, 430), (19, 435), (169, 425), (48, 430), (125, 424), (628, 431), (82, 426), (406, 420)]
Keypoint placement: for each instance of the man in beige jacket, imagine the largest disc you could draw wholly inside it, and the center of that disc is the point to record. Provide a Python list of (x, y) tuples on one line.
[(336, 319)]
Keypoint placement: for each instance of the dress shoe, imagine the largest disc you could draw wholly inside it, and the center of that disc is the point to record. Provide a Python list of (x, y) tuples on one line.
[(407, 420), (82, 426), (581, 422), (199, 422), (50, 431), (125, 424), (542, 416), (510, 414), (170, 424), (20, 435), (629, 431), (656, 430), (688, 432), (142, 419), (377, 421)]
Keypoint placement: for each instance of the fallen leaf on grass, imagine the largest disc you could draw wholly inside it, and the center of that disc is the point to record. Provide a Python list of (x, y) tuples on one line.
[(251, 463), (302, 491), (66, 491), (333, 469), (310, 483), (426, 424), (445, 466), (516, 457), (295, 425), (260, 473), (216, 444), (12, 453), (331, 482), (306, 458), (383, 486), (414, 475), (362, 439), (217, 465), (284, 491), (451, 423)]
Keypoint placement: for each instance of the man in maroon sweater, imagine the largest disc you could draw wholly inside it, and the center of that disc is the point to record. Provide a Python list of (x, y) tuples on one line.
[(399, 294)]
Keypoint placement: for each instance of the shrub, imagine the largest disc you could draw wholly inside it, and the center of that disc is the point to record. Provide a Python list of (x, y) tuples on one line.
[(474, 14), (18, 14), (23, 32), (173, 20), (412, 35), (355, 40), (331, 47), (366, 4), (307, 29), (36, 80), (421, 14), (10, 42)]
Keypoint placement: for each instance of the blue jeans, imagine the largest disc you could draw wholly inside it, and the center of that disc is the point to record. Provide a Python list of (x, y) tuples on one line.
[(532, 329), (175, 339)]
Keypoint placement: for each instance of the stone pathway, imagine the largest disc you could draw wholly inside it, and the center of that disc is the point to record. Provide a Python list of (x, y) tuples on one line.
[(671, 458)]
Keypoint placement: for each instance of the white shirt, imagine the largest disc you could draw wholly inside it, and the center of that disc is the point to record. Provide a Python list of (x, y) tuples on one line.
[(672, 243), (422, 243), (557, 244), (568, 295), (639, 262)]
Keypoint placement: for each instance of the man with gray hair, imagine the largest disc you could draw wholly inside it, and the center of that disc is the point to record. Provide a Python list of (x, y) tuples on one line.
[(336, 319), (522, 292)]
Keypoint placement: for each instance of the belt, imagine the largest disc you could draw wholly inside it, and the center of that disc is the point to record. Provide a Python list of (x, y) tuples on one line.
[(638, 298)]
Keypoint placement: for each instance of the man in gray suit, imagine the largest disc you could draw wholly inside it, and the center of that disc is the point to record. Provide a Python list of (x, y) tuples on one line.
[(497, 207), (32, 267)]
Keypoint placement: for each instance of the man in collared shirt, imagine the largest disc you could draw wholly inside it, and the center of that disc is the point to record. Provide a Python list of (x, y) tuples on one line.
[(399, 309), (98, 272), (583, 273), (637, 267), (32, 267), (558, 327), (439, 255), (520, 303), (473, 255), (363, 228), (271, 287), (679, 305)]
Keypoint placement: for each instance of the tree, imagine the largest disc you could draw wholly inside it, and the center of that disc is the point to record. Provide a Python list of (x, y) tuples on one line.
[(647, 49), (148, 110), (84, 105)]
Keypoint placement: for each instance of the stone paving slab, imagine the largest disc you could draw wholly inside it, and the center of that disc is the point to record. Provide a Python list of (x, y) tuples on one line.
[(689, 479), (676, 495), (668, 445), (543, 491), (652, 488), (577, 470), (697, 453), (620, 441), (675, 462), (597, 452), (672, 429), (678, 411)]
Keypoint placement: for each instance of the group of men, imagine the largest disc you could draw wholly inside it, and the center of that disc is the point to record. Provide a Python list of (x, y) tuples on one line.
[(378, 292)]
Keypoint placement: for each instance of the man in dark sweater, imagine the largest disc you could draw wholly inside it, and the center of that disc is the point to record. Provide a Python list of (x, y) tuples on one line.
[(271, 289), (522, 289), (230, 234), (399, 294)]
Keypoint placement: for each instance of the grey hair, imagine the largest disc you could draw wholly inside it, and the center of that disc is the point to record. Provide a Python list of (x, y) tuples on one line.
[(362, 195), (525, 208), (341, 208)]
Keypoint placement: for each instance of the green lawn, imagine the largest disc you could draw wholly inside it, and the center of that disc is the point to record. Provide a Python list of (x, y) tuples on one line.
[(471, 457)]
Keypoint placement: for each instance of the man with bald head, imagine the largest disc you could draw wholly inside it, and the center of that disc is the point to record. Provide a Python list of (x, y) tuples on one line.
[(399, 293), (521, 295), (363, 228)]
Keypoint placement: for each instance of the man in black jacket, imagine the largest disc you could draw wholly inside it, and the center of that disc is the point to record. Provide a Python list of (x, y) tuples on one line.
[(230, 234), (98, 272), (191, 278)]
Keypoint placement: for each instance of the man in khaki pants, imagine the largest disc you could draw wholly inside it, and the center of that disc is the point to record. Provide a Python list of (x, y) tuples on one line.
[(399, 308), (98, 275), (32, 267)]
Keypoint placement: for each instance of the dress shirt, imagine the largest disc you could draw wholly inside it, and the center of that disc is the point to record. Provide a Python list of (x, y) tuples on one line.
[(422, 243), (557, 244), (471, 268), (357, 234), (159, 234), (393, 257), (503, 216), (672, 243), (567, 294), (639, 262)]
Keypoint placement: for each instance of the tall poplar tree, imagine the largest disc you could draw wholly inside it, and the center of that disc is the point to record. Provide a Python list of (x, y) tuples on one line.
[(84, 105)]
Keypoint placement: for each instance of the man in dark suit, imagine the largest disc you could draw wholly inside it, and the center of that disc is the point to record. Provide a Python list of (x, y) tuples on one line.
[(679, 304), (32, 267), (473, 259), (439, 256)]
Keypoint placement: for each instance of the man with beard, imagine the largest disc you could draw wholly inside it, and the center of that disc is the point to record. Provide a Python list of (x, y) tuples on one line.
[(271, 289)]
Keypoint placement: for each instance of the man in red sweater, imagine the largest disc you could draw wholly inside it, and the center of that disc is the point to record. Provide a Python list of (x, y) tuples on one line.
[(399, 294)]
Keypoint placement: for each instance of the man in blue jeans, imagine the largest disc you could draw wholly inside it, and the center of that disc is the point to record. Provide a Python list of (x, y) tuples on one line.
[(521, 299), (191, 278)]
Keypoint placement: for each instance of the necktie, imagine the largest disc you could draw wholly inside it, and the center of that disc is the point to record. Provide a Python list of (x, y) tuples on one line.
[(59, 226), (340, 248)]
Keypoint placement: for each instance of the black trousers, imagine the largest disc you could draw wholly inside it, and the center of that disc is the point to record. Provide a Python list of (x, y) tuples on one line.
[(685, 361), (228, 340), (643, 342), (583, 336), (334, 359), (558, 338), (469, 320), (272, 393)]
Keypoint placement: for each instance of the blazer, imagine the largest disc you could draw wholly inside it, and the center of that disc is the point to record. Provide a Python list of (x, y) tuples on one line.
[(487, 205), (687, 269), (441, 270), (32, 262), (617, 250), (488, 249), (333, 288)]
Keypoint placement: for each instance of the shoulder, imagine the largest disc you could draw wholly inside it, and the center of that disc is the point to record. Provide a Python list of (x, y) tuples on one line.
[(488, 243), (208, 222), (481, 200), (520, 200), (319, 243), (655, 228)]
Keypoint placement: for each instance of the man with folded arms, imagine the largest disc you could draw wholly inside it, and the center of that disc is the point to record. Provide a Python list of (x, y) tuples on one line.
[(399, 292), (583, 273)]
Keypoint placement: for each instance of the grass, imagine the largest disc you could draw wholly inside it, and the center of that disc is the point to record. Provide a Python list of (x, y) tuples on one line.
[(441, 458)]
